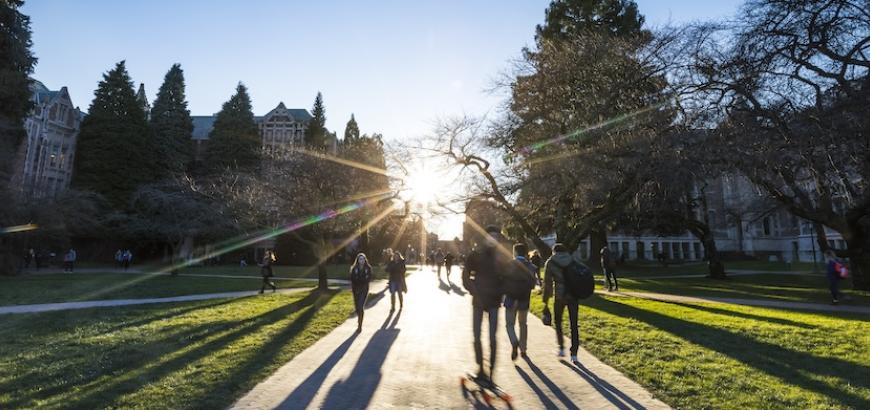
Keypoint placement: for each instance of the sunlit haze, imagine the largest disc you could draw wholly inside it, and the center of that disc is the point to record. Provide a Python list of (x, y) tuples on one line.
[(397, 66)]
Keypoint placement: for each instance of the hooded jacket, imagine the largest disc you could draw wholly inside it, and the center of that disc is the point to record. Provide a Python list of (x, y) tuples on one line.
[(553, 274)]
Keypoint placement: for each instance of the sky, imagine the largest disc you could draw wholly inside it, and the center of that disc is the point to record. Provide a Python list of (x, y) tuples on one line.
[(398, 66)]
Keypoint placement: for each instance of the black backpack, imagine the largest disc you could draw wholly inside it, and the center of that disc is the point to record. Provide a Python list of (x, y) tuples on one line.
[(579, 281)]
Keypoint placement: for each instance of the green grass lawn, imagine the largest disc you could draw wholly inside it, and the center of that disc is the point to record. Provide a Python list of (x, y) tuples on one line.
[(714, 356), (332, 271), (197, 355), (639, 268), (795, 288), (47, 288)]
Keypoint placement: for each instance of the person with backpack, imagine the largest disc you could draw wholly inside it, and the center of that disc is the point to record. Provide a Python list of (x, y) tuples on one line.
[(482, 277), (836, 270), (608, 266), (396, 269), (518, 293), (266, 271), (360, 276), (566, 278)]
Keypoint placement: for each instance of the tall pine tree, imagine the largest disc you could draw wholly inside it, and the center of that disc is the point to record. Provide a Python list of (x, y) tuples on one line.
[(566, 19), (16, 64), (235, 141), (115, 153), (351, 131), (171, 123), (316, 135)]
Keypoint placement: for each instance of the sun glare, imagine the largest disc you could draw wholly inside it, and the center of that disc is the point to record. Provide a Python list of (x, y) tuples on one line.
[(422, 187)]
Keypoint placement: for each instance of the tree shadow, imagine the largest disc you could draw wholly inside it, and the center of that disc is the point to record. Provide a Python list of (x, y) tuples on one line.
[(129, 380), (750, 316), (791, 367), (611, 393), (357, 390), (566, 401)]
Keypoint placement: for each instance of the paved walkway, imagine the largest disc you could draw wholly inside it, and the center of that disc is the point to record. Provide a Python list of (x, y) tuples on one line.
[(414, 359), (777, 304)]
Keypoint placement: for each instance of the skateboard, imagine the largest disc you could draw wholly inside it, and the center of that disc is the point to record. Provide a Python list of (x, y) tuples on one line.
[(487, 389)]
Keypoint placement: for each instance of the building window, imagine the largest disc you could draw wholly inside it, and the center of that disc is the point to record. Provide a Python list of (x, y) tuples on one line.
[(766, 225)]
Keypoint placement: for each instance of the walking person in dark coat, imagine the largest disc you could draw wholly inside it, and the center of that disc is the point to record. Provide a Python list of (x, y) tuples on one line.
[(266, 271), (482, 277), (448, 263), (518, 293), (360, 276), (396, 269), (608, 266), (554, 285)]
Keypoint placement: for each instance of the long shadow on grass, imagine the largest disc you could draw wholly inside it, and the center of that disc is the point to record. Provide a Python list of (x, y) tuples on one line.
[(357, 390), (725, 312), (788, 365), (243, 376), (153, 369)]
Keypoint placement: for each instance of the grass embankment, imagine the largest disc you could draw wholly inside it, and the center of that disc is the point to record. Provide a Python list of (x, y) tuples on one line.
[(48, 288), (715, 356), (793, 288), (202, 355)]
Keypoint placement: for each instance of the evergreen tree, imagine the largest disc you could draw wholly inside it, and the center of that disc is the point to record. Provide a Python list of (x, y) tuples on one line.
[(115, 153), (316, 135), (235, 141), (16, 65), (568, 18), (171, 123), (351, 131)]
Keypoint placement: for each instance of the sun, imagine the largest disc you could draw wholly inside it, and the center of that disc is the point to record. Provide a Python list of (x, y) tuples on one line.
[(422, 187)]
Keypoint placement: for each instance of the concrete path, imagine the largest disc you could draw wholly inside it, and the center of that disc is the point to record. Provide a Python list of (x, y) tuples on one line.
[(777, 304), (48, 307), (415, 357)]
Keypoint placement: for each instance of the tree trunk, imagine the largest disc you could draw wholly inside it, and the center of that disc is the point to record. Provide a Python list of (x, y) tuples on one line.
[(597, 240), (714, 260), (858, 251), (322, 282)]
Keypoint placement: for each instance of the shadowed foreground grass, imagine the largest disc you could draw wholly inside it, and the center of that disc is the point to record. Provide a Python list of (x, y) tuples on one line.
[(200, 355), (715, 356), (48, 288)]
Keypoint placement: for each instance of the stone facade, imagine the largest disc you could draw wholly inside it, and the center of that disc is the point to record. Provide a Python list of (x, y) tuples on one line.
[(281, 127), (44, 163)]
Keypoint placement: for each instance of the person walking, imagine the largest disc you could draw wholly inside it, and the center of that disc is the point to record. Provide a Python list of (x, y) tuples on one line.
[(396, 269), (608, 266), (119, 258), (482, 277), (69, 260), (266, 271), (448, 264), (29, 257), (360, 276), (836, 270), (127, 259), (538, 261), (518, 293), (554, 285), (439, 261)]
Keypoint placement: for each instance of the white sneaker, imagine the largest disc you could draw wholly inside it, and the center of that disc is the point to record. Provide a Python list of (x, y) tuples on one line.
[(574, 359), (561, 352)]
